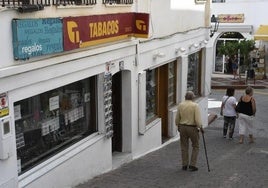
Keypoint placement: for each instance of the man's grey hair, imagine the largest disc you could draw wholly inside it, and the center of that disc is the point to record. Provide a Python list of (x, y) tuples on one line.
[(189, 95)]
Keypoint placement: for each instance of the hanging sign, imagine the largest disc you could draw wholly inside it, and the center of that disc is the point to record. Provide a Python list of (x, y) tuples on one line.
[(84, 31), (36, 37), (231, 18), (4, 110)]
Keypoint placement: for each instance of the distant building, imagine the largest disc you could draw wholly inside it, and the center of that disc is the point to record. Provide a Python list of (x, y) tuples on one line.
[(241, 20)]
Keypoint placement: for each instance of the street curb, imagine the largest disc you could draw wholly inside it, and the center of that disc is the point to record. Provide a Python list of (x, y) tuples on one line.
[(237, 86), (211, 117)]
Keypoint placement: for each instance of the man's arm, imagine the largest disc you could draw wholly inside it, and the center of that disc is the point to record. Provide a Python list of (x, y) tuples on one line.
[(178, 118), (198, 119)]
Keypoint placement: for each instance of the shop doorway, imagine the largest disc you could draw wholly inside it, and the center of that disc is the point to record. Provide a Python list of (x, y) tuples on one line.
[(117, 112), (167, 95), (163, 103)]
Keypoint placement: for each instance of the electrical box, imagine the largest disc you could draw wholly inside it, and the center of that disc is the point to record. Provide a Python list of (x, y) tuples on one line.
[(5, 138)]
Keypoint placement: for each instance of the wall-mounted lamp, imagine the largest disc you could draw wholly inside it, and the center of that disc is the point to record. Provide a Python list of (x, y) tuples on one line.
[(214, 29), (159, 54), (181, 49), (205, 41), (196, 45)]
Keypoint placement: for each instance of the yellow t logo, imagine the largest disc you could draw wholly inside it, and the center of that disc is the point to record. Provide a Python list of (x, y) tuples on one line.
[(73, 33), (141, 25)]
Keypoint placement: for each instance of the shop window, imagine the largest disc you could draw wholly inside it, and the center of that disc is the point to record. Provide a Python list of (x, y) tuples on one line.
[(171, 83), (194, 73), (151, 94), (52, 121)]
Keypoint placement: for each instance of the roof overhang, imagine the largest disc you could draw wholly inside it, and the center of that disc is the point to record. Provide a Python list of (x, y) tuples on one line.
[(261, 33), (235, 28)]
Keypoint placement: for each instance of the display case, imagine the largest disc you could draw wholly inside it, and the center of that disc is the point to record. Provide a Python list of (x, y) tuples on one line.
[(108, 115), (258, 63), (194, 68), (171, 84), (151, 89), (46, 124)]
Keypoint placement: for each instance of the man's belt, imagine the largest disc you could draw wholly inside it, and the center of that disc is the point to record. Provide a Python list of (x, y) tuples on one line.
[(188, 125)]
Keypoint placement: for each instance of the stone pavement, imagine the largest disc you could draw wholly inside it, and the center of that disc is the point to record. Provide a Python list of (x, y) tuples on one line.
[(221, 81), (232, 165)]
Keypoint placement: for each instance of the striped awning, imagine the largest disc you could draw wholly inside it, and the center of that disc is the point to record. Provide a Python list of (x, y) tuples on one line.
[(262, 33)]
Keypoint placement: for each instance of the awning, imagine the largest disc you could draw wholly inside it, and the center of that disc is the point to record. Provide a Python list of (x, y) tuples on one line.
[(262, 33)]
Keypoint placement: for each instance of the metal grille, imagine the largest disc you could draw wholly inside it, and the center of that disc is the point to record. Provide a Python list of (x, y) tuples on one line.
[(74, 2), (117, 1), (16, 3)]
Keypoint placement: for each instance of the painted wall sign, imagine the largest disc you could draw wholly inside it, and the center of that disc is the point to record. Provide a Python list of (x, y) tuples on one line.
[(36, 37), (231, 18), (85, 31)]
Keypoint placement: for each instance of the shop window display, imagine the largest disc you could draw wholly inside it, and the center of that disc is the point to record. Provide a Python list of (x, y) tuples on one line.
[(52, 121), (194, 73), (151, 89), (171, 84)]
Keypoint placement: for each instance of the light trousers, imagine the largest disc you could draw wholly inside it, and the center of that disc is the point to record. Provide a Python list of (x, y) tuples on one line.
[(245, 123)]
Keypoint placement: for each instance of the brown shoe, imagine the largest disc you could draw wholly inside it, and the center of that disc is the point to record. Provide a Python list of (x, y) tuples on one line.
[(241, 140), (193, 168), (251, 139)]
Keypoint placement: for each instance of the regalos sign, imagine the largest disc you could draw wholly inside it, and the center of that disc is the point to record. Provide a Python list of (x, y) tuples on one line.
[(36, 37), (80, 32)]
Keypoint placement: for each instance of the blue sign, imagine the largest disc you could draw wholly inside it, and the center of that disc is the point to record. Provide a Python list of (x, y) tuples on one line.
[(36, 37)]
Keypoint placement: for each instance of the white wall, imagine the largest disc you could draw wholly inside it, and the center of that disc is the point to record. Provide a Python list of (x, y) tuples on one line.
[(57, 70), (255, 11), (255, 14), (167, 20), (70, 170)]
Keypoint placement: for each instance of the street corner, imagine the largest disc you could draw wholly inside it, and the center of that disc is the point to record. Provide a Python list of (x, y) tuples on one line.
[(211, 117)]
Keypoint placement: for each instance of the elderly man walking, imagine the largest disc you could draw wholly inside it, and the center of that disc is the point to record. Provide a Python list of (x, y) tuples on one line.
[(188, 121)]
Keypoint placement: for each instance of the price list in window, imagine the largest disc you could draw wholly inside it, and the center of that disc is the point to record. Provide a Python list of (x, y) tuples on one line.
[(108, 112)]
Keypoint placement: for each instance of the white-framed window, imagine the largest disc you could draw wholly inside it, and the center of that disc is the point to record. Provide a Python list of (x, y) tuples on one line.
[(194, 73), (50, 122), (151, 94)]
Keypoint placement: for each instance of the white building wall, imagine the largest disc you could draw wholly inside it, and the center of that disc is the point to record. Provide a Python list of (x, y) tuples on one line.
[(72, 168), (92, 156), (253, 10), (254, 13)]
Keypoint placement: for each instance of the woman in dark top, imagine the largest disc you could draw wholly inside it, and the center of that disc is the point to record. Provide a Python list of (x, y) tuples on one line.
[(247, 111)]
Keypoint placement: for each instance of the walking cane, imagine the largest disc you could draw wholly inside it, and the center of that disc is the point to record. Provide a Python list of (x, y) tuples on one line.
[(202, 132)]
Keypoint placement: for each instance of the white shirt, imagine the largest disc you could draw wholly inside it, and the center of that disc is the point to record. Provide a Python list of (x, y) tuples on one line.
[(228, 108)]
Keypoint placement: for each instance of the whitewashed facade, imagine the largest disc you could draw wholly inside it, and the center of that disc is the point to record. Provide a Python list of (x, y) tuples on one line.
[(174, 35), (254, 15)]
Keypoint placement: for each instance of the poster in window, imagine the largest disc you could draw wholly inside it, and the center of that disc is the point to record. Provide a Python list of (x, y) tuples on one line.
[(4, 110), (54, 103), (17, 112)]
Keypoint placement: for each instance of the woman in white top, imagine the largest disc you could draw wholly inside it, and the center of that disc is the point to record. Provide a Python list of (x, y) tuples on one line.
[(229, 114)]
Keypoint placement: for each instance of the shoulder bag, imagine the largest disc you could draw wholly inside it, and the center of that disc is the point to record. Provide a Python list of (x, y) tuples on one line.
[(221, 113)]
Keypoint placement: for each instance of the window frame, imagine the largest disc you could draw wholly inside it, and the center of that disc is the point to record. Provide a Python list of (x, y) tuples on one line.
[(196, 73), (33, 105), (174, 85), (155, 98)]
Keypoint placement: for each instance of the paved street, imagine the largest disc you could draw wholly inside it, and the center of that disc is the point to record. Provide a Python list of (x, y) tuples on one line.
[(232, 165)]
